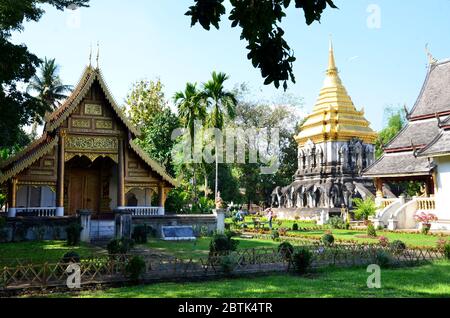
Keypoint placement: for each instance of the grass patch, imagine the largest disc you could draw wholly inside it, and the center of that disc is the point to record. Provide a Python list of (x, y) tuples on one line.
[(431, 280), (42, 251), (200, 247), (410, 239)]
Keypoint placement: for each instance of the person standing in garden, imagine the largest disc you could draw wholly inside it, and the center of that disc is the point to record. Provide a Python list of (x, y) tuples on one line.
[(270, 217)]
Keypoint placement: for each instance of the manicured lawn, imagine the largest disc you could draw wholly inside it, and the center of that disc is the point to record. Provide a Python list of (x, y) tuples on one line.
[(426, 281), (200, 247), (284, 223), (42, 251), (410, 239)]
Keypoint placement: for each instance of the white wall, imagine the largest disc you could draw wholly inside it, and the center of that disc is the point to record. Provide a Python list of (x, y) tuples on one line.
[(142, 195), (443, 188)]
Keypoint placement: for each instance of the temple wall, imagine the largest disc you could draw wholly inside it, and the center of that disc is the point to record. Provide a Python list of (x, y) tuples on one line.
[(443, 188), (143, 196), (33, 197)]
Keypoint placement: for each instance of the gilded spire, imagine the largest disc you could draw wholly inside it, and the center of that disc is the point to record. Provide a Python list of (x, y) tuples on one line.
[(331, 61), (335, 117)]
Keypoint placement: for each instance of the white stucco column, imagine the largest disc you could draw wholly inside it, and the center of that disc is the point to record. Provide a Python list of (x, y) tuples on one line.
[(220, 218)]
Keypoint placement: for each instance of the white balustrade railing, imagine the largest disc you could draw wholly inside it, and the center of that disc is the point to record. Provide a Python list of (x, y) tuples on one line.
[(39, 212), (426, 204), (146, 210)]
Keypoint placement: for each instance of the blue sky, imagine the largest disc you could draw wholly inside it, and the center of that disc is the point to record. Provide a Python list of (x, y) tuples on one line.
[(382, 61)]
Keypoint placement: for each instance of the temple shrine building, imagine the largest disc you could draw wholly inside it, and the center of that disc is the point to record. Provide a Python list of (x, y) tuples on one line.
[(86, 159), (420, 153)]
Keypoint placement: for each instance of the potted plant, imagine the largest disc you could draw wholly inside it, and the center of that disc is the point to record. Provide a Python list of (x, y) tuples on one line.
[(425, 219)]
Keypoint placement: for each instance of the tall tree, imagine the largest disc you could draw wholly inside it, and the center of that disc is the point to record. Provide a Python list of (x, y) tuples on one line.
[(190, 109), (220, 103), (148, 109), (260, 23), (395, 119), (18, 65), (49, 87), (145, 100), (156, 139), (257, 114)]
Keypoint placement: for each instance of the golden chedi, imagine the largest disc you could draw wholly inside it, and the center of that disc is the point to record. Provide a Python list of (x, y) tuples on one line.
[(335, 145)]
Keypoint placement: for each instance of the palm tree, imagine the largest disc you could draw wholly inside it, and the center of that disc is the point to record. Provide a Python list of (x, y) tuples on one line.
[(221, 103), (49, 87), (190, 109)]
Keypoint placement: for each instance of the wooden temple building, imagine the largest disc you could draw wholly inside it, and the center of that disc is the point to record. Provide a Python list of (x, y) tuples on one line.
[(421, 153), (86, 159)]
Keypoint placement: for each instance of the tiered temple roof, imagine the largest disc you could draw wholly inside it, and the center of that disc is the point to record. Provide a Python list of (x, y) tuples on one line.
[(426, 133), (335, 117), (42, 146)]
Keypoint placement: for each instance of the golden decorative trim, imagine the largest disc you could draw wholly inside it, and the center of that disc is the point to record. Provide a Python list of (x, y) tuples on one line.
[(91, 143), (103, 124), (81, 123), (92, 156), (41, 172), (152, 188), (37, 184), (93, 109)]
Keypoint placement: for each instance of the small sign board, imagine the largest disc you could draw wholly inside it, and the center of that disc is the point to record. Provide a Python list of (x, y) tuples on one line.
[(178, 233)]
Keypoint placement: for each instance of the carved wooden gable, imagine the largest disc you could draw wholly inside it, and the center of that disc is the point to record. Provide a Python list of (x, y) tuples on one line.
[(93, 129)]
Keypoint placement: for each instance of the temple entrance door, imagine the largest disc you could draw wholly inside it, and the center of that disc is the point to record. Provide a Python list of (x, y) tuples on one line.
[(84, 187)]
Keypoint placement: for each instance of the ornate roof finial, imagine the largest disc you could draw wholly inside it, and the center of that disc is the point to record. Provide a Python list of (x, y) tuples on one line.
[(90, 56), (98, 53), (431, 59)]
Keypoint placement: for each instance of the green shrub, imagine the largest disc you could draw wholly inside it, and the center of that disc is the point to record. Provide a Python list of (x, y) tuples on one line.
[(221, 243), (140, 234), (275, 235), (120, 246), (228, 263), (336, 222), (201, 231), (328, 239), (398, 247), (302, 259), (364, 208), (447, 251), (230, 233), (71, 257), (383, 259), (73, 234), (286, 250), (371, 232), (295, 227), (135, 268)]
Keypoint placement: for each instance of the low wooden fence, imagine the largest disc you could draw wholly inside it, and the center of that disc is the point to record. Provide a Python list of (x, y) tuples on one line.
[(112, 268)]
